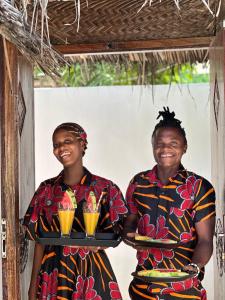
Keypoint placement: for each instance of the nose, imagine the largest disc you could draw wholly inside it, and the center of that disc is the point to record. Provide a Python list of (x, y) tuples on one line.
[(60, 147), (165, 146)]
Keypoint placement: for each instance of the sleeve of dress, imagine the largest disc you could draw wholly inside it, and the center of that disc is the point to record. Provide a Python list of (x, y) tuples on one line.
[(130, 201), (31, 218), (204, 201)]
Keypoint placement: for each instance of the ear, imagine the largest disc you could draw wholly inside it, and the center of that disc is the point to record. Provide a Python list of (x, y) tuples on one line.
[(185, 149)]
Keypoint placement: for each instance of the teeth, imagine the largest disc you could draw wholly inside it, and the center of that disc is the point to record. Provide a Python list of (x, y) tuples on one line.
[(64, 154), (166, 155)]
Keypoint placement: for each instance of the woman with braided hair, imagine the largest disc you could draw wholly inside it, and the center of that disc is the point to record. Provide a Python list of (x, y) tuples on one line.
[(169, 202), (64, 272)]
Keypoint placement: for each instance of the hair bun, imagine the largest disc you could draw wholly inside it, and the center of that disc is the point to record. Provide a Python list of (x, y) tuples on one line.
[(168, 120), (167, 115)]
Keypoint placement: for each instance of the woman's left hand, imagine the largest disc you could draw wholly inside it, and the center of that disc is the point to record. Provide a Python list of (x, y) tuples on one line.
[(90, 248), (192, 268)]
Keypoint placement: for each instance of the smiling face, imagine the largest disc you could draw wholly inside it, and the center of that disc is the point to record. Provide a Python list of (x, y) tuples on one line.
[(67, 148), (168, 147)]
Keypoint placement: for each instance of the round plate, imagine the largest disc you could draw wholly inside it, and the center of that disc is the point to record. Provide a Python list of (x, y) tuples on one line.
[(149, 279)]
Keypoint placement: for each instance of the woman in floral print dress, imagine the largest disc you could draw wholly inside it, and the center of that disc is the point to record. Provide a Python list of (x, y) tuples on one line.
[(63, 272), (169, 202)]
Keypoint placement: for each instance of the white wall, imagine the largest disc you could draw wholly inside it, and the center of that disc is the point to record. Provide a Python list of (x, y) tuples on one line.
[(119, 122)]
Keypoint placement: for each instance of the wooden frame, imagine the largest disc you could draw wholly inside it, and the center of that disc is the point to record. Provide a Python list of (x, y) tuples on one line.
[(146, 45), (9, 169)]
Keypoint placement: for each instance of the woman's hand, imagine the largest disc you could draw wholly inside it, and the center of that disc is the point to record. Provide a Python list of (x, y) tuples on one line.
[(89, 248), (126, 239), (32, 293), (192, 268), (94, 249)]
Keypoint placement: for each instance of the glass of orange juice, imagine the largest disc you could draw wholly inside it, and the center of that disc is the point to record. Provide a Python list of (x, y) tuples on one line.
[(66, 217), (91, 216)]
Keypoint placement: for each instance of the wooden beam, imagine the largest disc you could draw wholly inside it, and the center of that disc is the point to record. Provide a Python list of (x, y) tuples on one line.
[(9, 169), (147, 45)]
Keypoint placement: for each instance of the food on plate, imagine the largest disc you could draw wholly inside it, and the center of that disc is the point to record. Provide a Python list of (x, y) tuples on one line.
[(142, 238), (162, 273), (145, 238)]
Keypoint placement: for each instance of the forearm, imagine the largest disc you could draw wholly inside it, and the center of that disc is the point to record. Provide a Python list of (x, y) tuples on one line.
[(130, 224), (38, 255), (202, 253)]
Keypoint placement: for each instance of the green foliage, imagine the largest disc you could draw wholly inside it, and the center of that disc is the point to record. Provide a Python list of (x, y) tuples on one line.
[(106, 74)]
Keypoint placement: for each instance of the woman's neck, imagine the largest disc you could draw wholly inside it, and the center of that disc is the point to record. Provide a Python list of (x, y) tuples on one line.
[(73, 175), (165, 173)]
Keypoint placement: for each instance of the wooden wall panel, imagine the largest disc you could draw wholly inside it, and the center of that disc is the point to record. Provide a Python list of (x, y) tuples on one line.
[(26, 165)]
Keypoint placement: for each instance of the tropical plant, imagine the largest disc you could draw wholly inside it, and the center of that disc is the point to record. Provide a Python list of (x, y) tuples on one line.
[(105, 74)]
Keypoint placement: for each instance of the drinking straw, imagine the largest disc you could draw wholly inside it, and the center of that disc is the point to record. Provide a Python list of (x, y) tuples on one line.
[(100, 199)]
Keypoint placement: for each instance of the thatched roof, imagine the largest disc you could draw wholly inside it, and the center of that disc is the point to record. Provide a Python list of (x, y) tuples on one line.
[(124, 26), (17, 31)]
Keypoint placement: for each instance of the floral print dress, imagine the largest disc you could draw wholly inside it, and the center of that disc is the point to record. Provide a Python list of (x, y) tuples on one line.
[(69, 273), (169, 211)]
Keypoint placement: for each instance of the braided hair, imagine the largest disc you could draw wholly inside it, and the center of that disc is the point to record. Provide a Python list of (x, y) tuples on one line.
[(76, 129), (169, 120)]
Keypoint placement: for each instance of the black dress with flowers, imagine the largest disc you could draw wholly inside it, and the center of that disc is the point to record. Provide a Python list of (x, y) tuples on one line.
[(69, 273), (169, 211)]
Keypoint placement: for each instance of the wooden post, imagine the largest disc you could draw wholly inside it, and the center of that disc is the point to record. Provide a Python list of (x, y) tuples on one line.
[(217, 92), (9, 168)]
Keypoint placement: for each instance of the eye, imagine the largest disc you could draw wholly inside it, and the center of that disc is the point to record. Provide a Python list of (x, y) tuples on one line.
[(55, 146), (68, 141), (158, 145)]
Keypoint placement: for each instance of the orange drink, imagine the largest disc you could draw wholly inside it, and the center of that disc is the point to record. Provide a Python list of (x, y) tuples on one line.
[(90, 222), (91, 212), (66, 217)]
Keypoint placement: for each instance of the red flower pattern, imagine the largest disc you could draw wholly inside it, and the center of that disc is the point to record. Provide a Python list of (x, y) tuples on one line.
[(152, 177), (67, 250), (85, 289), (187, 191), (157, 232), (180, 286), (185, 237), (45, 201), (114, 291), (49, 285), (117, 205), (203, 294)]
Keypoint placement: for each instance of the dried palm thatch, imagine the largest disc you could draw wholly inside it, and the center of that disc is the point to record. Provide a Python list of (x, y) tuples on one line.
[(148, 63), (43, 5), (16, 30), (77, 21), (177, 3), (42, 23), (152, 58)]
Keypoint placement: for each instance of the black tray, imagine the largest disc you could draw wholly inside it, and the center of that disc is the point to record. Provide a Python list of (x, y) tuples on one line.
[(79, 239), (149, 279), (151, 244)]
